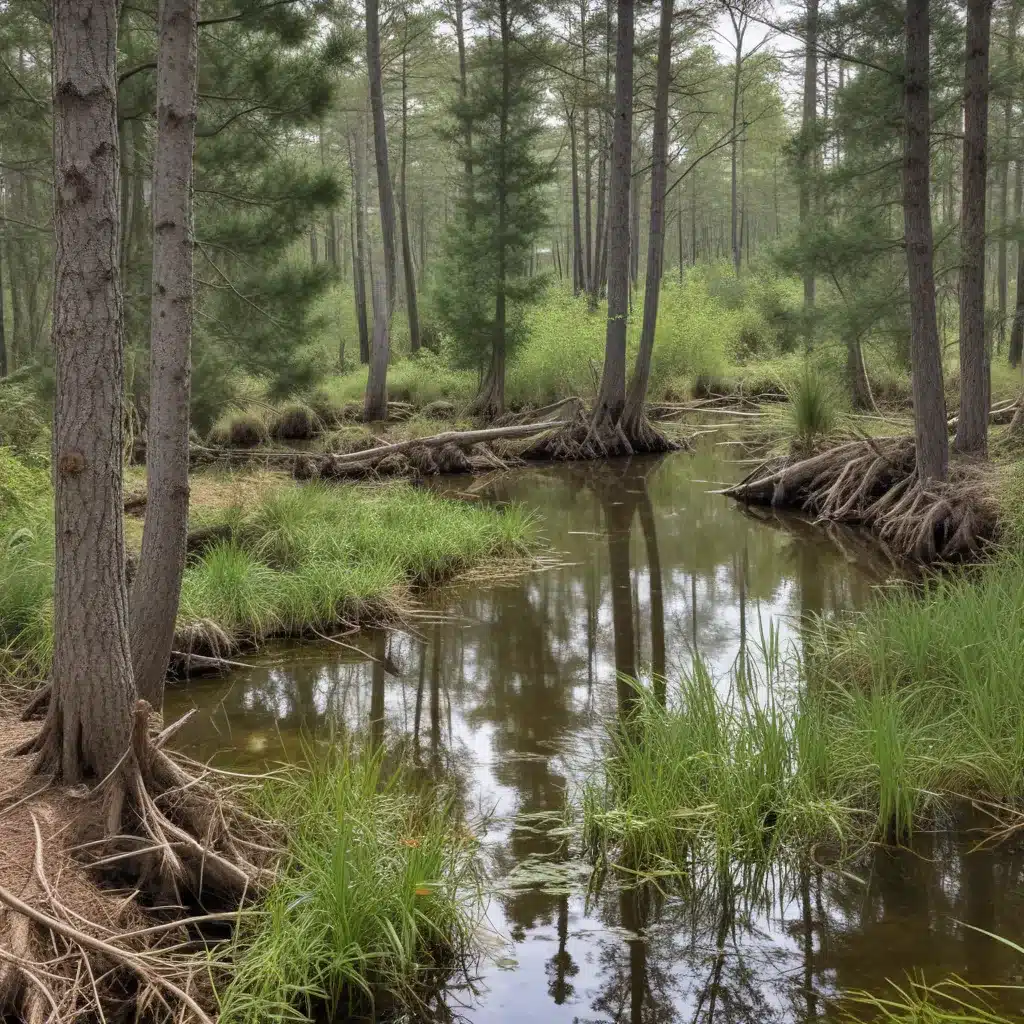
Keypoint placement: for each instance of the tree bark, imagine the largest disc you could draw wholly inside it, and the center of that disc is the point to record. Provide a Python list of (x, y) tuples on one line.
[(925, 353), (157, 584), (359, 247), (634, 224), (375, 405), (411, 308), (975, 368), (589, 254), (93, 690), (386, 199), (4, 369), (612, 396), (1017, 330), (579, 278), (1004, 168), (856, 375), (808, 146), (740, 28), (467, 126), (633, 418)]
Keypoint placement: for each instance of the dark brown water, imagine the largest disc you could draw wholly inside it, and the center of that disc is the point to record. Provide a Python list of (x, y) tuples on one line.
[(513, 685)]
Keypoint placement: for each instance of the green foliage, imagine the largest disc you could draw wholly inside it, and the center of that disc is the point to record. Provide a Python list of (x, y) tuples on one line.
[(24, 421), (812, 408), (240, 428), (377, 894), (891, 715)]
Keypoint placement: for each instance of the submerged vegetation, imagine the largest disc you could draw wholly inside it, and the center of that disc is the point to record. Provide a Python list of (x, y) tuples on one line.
[(376, 901)]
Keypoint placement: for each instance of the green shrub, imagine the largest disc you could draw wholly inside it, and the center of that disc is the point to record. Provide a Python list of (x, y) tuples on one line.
[(295, 421), (245, 428), (812, 407)]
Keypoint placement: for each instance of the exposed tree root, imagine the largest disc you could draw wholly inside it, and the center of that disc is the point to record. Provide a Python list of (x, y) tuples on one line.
[(587, 437), (874, 483), (94, 884)]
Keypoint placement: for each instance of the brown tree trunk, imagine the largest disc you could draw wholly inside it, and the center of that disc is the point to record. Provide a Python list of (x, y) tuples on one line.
[(90, 713), (157, 583), (1004, 170), (808, 144), (588, 249), (467, 127), (579, 277), (375, 405), (1017, 330), (856, 375), (359, 247), (411, 308), (925, 353), (975, 369), (386, 199), (740, 29), (634, 224), (4, 369), (612, 396), (634, 420)]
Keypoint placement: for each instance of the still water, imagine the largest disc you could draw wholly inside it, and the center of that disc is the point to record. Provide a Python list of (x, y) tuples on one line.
[(507, 688)]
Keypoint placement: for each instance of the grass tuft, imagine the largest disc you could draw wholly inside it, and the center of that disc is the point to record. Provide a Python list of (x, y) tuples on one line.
[(812, 406), (375, 903), (245, 428)]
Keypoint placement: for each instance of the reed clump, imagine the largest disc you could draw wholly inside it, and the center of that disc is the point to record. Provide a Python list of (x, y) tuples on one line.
[(376, 901)]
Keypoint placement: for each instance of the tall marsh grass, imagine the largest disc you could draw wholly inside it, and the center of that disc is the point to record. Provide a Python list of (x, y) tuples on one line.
[(886, 720), (376, 899)]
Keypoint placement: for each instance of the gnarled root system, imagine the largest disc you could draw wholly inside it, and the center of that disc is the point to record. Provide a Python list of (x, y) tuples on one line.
[(874, 483)]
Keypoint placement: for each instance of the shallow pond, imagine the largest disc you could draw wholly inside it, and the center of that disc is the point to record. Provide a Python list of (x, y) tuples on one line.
[(505, 686)]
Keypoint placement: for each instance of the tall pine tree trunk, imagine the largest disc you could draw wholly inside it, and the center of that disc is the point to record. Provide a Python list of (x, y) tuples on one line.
[(612, 397), (634, 223), (467, 126), (734, 148), (356, 149), (157, 584), (1017, 330), (386, 199), (411, 307), (925, 353), (4, 368), (808, 143), (634, 419), (579, 278), (90, 713), (1004, 168), (975, 369), (375, 403)]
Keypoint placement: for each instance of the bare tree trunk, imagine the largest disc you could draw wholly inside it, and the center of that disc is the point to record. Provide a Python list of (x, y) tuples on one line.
[(856, 374), (359, 246), (4, 368), (733, 203), (634, 223), (612, 396), (412, 311), (975, 368), (634, 419), (1004, 169), (375, 405), (90, 713), (590, 261), (157, 583), (314, 252), (579, 278), (1017, 330), (925, 354), (467, 127), (808, 147), (386, 199)]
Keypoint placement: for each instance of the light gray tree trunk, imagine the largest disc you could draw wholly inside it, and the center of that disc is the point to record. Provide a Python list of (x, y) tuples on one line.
[(612, 396), (359, 245), (634, 417), (385, 194), (467, 127), (808, 144), (1004, 169), (975, 363), (411, 308), (90, 712), (375, 405), (1017, 330), (3, 336), (739, 26), (156, 587), (925, 353), (579, 275)]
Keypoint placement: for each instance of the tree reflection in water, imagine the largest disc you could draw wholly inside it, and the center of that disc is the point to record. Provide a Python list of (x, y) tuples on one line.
[(502, 691)]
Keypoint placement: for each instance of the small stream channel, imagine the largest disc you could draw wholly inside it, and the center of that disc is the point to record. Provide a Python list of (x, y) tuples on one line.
[(506, 687)]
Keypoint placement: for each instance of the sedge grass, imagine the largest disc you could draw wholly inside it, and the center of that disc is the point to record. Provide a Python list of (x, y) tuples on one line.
[(376, 900), (301, 558)]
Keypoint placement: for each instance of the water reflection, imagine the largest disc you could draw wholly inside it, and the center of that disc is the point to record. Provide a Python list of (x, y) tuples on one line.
[(503, 688)]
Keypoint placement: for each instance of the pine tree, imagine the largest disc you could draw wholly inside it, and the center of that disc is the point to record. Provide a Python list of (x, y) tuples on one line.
[(485, 283)]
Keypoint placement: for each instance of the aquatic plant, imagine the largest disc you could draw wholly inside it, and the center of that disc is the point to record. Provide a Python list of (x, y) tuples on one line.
[(375, 901), (812, 408)]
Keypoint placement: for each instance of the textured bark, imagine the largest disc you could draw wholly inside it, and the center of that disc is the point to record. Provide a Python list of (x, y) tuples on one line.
[(808, 136), (740, 29), (3, 336), (579, 279), (634, 224), (411, 308), (375, 405), (1004, 169), (975, 368), (1017, 331), (467, 126), (156, 586), (386, 198), (633, 416), (589, 255), (359, 247), (93, 690), (612, 396), (856, 375), (925, 355)]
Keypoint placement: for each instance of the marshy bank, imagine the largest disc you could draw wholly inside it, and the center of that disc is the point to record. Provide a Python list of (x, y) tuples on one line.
[(507, 698)]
